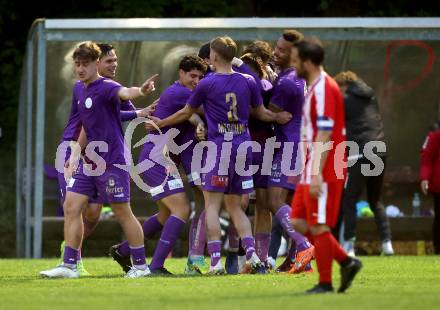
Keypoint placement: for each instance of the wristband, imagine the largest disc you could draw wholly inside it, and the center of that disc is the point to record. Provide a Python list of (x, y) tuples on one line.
[(141, 92)]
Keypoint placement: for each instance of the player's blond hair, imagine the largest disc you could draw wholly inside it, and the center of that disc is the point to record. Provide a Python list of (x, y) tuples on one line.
[(88, 51), (225, 47), (260, 48)]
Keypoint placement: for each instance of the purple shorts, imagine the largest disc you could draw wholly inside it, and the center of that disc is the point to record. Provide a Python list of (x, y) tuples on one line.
[(112, 186), (63, 185), (224, 177), (277, 178), (162, 177), (185, 158)]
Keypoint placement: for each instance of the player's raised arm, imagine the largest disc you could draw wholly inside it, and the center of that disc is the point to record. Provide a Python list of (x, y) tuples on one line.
[(266, 115), (130, 93)]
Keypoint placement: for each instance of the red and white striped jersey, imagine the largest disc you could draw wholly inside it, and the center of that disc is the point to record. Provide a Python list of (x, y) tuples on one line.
[(324, 110)]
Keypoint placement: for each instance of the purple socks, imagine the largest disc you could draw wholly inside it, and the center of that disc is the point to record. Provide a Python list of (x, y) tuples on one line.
[(248, 244), (262, 243), (150, 227), (171, 230), (214, 249), (138, 257), (70, 256), (192, 232), (199, 242), (283, 216)]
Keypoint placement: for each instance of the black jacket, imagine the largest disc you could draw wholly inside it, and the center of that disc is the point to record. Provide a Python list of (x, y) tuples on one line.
[(362, 118)]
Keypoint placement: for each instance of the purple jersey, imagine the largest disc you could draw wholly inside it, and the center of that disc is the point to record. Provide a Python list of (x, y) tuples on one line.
[(226, 99), (99, 110), (288, 95), (244, 69), (73, 126), (163, 184), (128, 111), (172, 100)]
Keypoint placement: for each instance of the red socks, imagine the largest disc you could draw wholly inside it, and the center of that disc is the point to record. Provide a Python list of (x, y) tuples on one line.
[(324, 257), (327, 249)]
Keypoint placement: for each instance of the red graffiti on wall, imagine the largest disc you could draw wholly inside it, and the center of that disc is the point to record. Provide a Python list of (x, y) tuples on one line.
[(392, 47)]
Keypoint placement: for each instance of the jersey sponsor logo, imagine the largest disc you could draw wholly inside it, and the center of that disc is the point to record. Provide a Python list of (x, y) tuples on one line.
[(275, 173), (88, 103), (247, 184), (219, 181), (174, 184), (156, 190), (71, 182), (111, 182), (119, 195), (193, 176), (114, 190)]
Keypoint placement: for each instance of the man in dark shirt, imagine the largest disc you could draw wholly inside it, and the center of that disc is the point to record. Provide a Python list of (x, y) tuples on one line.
[(363, 124)]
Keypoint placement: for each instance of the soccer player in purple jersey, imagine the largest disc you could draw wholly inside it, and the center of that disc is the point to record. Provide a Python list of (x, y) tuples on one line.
[(227, 98), (287, 95), (236, 258), (197, 234), (260, 131), (264, 51), (167, 188), (98, 100), (107, 66)]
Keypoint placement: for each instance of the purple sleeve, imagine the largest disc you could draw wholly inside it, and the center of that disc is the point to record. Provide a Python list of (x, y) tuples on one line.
[(113, 90), (127, 115), (127, 106), (256, 98), (198, 96), (282, 95)]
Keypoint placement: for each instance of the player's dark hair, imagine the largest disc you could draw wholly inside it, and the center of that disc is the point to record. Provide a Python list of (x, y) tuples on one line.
[(292, 36), (310, 49), (225, 47), (191, 62), (87, 51), (204, 50), (345, 78), (260, 48), (255, 63), (105, 49)]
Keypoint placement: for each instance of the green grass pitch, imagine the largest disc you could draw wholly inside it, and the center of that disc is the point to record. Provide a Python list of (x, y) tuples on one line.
[(384, 283)]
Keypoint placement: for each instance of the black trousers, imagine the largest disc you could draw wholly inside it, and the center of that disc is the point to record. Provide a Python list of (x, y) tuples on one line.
[(436, 224), (355, 184)]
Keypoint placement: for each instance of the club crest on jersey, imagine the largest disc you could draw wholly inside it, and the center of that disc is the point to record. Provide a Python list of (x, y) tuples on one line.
[(275, 172), (219, 181), (88, 103)]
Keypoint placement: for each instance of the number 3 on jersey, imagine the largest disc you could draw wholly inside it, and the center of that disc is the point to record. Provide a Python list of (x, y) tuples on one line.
[(231, 100)]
